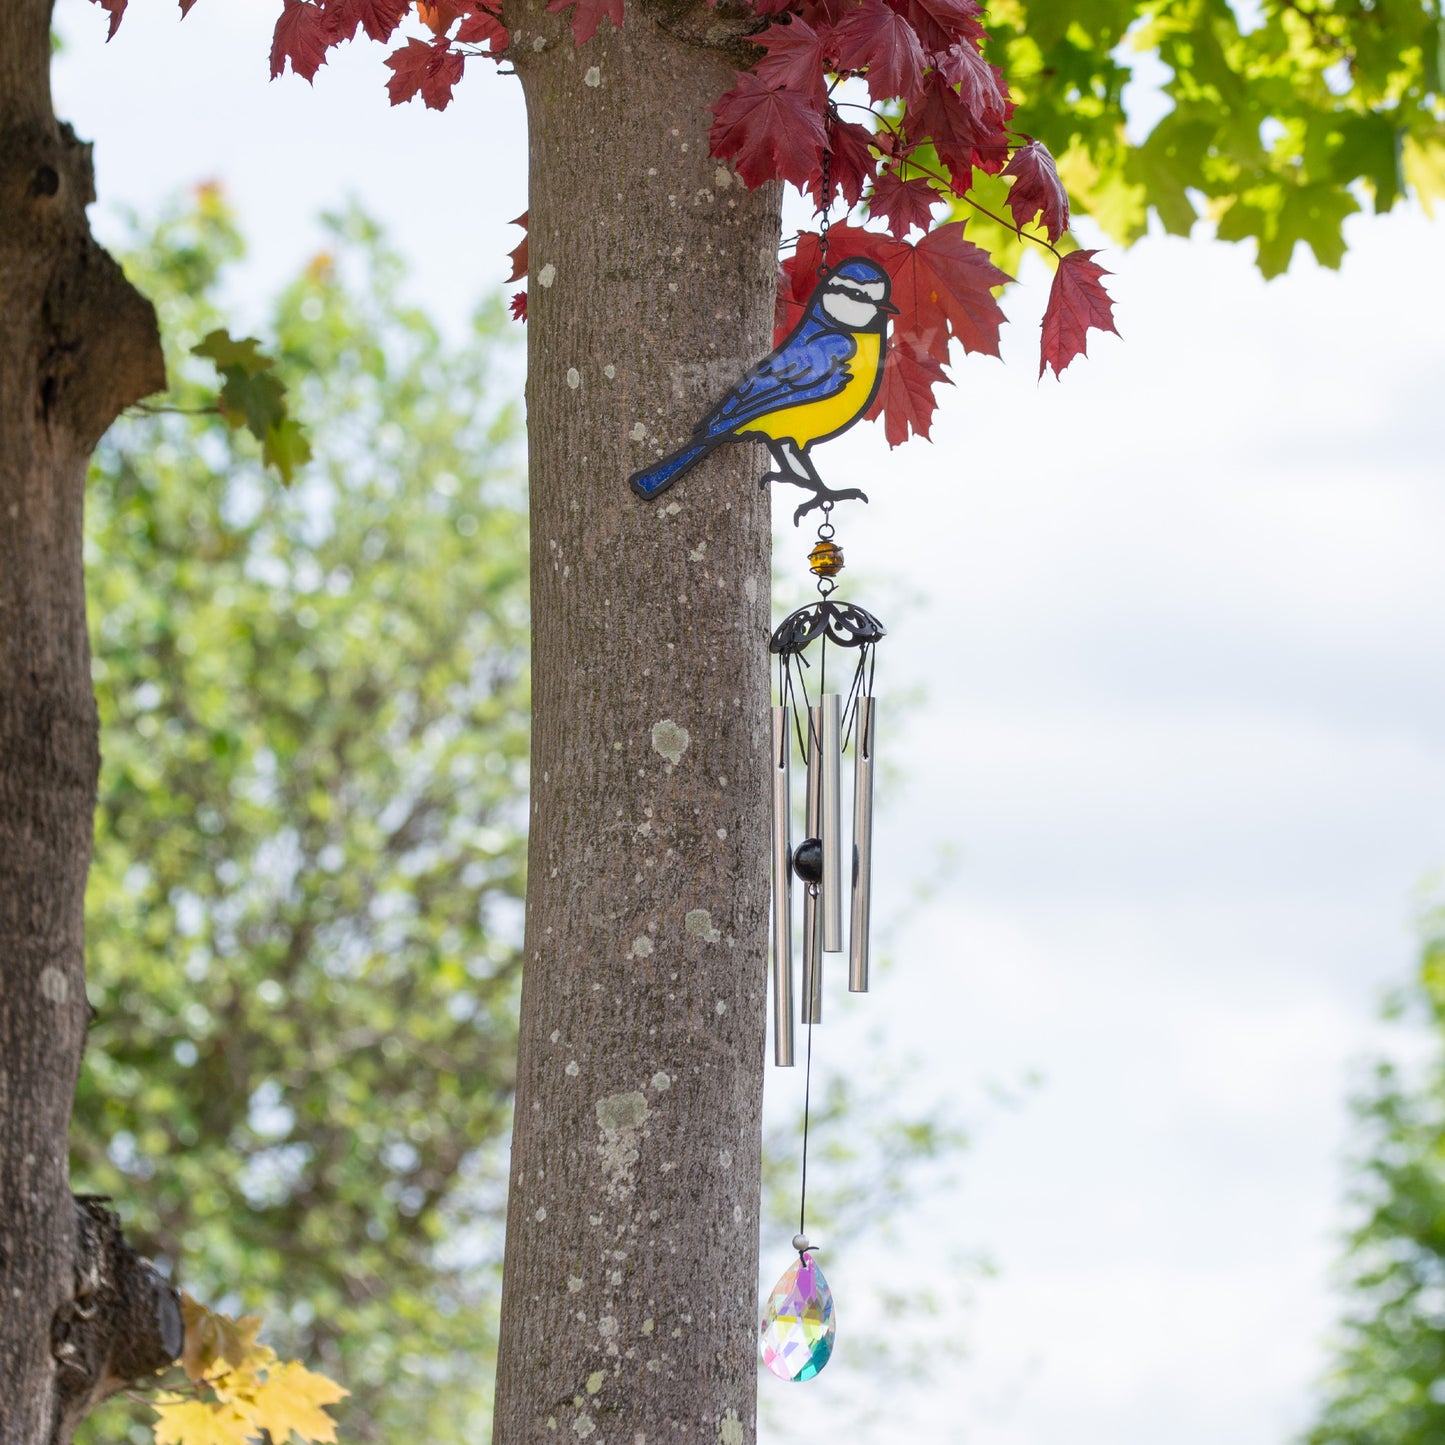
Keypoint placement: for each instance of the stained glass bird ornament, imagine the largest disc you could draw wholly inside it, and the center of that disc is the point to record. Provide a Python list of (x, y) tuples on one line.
[(816, 383)]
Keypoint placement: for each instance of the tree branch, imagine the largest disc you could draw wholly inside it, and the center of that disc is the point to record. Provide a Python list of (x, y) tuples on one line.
[(122, 1324)]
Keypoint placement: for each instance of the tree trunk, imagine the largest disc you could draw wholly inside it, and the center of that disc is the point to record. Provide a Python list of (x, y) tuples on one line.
[(76, 345), (629, 1301)]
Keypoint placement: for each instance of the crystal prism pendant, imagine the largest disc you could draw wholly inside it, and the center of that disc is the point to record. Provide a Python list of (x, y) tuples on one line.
[(797, 1329)]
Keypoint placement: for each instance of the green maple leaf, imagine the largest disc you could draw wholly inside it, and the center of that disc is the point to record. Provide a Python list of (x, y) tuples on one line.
[(223, 348), (255, 401), (286, 447), (253, 398)]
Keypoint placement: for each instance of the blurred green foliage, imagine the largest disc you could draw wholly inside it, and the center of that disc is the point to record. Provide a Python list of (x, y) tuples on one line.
[(304, 914), (1388, 1384), (1282, 117)]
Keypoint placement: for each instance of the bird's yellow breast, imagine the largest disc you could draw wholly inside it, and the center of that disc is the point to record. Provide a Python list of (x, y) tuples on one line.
[(812, 421)]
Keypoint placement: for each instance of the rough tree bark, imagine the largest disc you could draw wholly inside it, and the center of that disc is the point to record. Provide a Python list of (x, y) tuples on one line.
[(78, 1312), (628, 1310)]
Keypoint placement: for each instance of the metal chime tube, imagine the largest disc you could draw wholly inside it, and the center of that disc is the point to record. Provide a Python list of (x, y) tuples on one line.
[(832, 823), (814, 1002), (812, 915), (782, 889), (862, 847)]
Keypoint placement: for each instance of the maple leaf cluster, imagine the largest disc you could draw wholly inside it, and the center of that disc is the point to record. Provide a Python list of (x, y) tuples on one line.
[(307, 29), (239, 1393), (253, 398), (937, 113)]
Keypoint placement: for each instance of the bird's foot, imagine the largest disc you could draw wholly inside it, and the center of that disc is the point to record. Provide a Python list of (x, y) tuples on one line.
[(826, 494), (775, 477)]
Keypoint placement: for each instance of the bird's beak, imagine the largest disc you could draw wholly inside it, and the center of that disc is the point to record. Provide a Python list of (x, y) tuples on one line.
[(887, 306)]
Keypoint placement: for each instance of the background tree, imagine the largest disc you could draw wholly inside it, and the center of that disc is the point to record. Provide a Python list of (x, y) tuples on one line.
[(304, 913), (1386, 1386), (1278, 120), (77, 345)]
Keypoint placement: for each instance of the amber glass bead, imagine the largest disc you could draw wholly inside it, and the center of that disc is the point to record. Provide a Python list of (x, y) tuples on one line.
[(826, 559)]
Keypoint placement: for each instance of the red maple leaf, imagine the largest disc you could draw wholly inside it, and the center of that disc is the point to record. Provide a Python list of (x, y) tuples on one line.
[(903, 204), (796, 278), (822, 14), (430, 71), (587, 16), (879, 39), (1077, 303), (440, 15), (302, 36), (379, 18), (941, 23), (942, 288), (518, 256), (962, 139), (787, 308), (518, 308), (852, 166), (185, 7), (1037, 189), (890, 142), (768, 134), (484, 27), (116, 10), (794, 58), (982, 90), (905, 397)]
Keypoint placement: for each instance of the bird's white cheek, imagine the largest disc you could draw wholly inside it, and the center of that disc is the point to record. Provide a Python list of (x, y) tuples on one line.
[(849, 312)]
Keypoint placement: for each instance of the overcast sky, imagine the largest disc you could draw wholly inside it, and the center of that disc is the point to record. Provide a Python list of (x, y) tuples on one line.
[(1179, 622)]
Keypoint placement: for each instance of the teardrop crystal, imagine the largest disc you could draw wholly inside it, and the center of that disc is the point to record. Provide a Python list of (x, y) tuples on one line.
[(797, 1329)]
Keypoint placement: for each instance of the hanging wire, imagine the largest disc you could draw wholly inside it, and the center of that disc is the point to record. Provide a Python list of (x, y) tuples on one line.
[(793, 686), (807, 1095)]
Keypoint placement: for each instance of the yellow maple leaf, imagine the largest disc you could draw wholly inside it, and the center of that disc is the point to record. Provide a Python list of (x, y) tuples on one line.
[(212, 1337), (199, 1422), (291, 1398)]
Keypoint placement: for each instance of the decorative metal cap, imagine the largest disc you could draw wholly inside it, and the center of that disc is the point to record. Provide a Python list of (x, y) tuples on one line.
[(844, 624)]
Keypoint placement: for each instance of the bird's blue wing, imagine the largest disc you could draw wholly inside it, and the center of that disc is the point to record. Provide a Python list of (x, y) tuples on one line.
[(810, 365)]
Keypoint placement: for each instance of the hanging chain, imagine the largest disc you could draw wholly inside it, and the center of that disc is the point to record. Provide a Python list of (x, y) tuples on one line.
[(825, 196)]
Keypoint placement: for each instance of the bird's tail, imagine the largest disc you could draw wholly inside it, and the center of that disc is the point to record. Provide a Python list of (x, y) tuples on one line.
[(657, 479)]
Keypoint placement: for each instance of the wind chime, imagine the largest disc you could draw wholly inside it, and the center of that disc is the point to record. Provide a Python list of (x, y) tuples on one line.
[(814, 385), (798, 1326)]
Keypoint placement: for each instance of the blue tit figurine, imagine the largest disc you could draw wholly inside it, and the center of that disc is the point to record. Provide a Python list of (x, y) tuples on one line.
[(816, 384)]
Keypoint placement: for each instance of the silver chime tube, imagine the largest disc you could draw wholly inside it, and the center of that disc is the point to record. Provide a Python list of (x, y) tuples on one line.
[(812, 919), (813, 1002), (832, 823), (782, 890), (862, 847)]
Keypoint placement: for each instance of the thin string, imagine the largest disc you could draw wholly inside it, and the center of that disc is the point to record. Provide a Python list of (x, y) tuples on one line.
[(807, 1092), (850, 703)]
